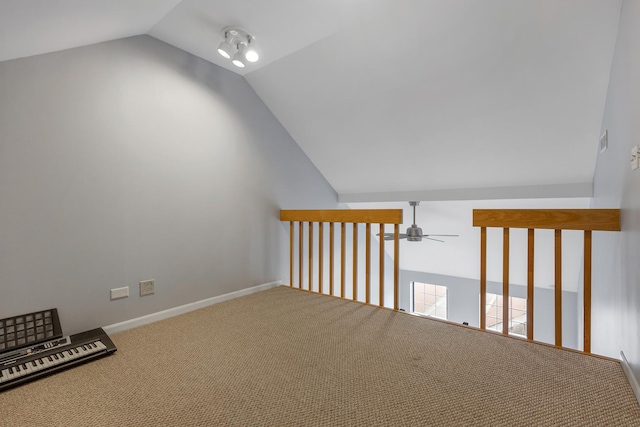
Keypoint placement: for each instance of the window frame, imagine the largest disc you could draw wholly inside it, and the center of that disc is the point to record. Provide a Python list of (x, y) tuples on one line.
[(510, 319), (413, 298)]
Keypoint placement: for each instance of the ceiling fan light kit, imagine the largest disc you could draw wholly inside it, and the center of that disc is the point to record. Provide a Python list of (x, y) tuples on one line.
[(239, 46)]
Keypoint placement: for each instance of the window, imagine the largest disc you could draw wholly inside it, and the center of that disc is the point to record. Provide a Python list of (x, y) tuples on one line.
[(430, 300), (517, 314)]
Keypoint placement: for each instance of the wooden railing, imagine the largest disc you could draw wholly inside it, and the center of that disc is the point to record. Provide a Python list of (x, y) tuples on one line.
[(342, 218), (587, 220)]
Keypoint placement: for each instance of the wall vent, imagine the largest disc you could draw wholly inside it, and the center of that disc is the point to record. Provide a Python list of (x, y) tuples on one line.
[(604, 141)]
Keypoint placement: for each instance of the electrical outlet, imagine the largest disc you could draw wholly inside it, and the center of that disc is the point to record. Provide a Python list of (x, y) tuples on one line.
[(118, 293), (147, 287), (635, 153)]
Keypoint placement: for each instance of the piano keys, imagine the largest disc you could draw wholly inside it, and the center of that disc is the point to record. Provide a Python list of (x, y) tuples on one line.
[(83, 347)]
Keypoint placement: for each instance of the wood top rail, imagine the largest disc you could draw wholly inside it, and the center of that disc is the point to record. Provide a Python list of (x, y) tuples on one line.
[(363, 216), (587, 220), (554, 219)]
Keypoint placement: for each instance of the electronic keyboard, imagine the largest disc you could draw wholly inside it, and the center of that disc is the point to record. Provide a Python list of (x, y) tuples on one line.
[(27, 364), (29, 329)]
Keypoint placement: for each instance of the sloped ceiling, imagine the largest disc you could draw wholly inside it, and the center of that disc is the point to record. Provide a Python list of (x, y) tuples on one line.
[(397, 100), (390, 96), (451, 95)]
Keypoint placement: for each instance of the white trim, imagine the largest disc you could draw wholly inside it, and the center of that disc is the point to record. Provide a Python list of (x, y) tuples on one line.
[(175, 311), (633, 381), (551, 191)]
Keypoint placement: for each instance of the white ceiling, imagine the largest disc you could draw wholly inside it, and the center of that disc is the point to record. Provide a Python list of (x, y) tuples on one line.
[(445, 94), (390, 96), (396, 99), (32, 27)]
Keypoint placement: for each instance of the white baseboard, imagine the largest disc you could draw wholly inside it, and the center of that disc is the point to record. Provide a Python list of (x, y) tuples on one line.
[(633, 381), (165, 314)]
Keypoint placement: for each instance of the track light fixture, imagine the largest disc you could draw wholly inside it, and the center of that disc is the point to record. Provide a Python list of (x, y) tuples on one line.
[(239, 46)]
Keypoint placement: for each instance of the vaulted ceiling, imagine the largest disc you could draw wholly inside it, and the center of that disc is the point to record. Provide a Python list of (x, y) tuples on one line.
[(391, 97)]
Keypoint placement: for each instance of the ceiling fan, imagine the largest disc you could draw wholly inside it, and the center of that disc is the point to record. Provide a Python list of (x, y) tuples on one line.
[(414, 233)]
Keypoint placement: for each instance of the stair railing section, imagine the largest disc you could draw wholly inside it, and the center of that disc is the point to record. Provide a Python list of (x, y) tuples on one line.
[(341, 219), (587, 220)]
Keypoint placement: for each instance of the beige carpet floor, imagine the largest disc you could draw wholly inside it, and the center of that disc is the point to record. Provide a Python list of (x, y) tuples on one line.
[(283, 357)]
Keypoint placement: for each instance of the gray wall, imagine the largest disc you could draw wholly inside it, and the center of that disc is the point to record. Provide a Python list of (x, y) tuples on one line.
[(616, 270), (133, 160), (463, 303)]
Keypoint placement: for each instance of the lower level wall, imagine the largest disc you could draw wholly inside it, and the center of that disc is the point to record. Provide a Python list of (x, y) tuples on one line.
[(463, 300)]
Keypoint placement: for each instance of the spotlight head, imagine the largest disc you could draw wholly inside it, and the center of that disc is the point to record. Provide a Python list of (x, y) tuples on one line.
[(251, 54), (225, 49), (248, 52), (238, 60)]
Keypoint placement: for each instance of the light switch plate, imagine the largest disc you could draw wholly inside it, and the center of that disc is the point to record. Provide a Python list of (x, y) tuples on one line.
[(118, 293), (634, 158)]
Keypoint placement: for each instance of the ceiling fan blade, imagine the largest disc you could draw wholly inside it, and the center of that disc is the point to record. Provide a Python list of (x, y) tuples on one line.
[(441, 235), (437, 240), (390, 236)]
